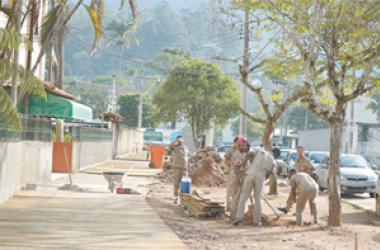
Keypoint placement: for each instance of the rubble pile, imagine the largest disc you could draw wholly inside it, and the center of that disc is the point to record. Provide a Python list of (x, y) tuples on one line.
[(206, 168)]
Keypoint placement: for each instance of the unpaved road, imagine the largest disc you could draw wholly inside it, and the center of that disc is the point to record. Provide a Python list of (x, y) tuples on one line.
[(219, 234)]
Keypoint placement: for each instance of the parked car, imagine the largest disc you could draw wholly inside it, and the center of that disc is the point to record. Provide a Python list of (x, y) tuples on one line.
[(356, 176), (291, 159), (316, 157), (223, 149)]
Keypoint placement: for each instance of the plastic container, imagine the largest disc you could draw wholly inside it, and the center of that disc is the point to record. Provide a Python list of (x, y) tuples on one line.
[(185, 184), (157, 156)]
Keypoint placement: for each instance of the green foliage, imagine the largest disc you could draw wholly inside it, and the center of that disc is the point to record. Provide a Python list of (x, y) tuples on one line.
[(8, 114), (297, 119), (170, 58), (199, 92), (91, 96), (329, 42), (254, 130), (160, 28), (128, 108), (120, 32)]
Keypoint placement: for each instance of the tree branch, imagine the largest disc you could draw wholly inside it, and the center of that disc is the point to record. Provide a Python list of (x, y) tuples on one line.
[(259, 94), (254, 119)]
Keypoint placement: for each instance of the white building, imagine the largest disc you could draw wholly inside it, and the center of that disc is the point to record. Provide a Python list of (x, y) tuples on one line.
[(359, 120)]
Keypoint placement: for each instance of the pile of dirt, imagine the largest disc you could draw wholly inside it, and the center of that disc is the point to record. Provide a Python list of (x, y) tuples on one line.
[(271, 221), (206, 168)]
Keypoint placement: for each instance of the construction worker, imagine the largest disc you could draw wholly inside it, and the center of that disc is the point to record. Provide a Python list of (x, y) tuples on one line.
[(302, 163), (307, 189), (227, 162), (180, 163), (237, 174), (261, 165)]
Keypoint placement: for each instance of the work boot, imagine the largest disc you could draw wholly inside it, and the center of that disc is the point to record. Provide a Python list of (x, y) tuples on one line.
[(283, 210), (176, 200), (237, 222)]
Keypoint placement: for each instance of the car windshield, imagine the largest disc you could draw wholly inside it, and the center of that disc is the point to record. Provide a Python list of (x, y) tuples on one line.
[(317, 158), (353, 161), (283, 154), (224, 149)]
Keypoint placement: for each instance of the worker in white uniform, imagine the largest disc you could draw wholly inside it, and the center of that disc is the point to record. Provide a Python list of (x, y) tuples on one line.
[(304, 185), (261, 165)]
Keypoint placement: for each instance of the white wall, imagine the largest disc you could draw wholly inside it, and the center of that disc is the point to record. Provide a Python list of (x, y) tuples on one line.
[(315, 140), (127, 140), (21, 163), (89, 153)]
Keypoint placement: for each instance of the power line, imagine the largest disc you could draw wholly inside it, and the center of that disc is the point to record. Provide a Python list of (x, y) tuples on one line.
[(145, 64)]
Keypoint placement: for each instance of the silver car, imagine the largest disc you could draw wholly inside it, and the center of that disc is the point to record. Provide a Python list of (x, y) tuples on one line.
[(316, 157), (356, 176)]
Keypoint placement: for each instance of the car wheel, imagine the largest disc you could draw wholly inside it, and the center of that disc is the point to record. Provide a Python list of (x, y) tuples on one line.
[(372, 195)]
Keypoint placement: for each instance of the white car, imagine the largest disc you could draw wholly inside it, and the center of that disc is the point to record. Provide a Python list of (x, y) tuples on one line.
[(356, 176)]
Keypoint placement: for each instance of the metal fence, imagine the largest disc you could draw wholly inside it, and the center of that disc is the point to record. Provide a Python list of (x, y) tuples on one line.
[(91, 134), (41, 129), (33, 129)]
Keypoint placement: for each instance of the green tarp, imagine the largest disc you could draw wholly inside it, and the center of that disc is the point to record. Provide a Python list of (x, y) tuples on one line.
[(58, 107)]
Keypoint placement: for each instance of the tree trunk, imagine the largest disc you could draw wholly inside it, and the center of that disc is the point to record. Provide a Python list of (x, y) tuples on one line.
[(61, 51), (334, 174), (30, 52), (266, 140), (17, 10)]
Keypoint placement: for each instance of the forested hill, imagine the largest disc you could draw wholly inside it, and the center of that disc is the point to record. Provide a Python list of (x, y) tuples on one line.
[(188, 26)]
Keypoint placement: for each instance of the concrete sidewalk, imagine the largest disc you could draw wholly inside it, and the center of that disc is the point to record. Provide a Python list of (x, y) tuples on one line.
[(88, 219)]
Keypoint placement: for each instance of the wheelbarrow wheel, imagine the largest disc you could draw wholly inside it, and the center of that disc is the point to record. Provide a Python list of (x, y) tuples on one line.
[(151, 165)]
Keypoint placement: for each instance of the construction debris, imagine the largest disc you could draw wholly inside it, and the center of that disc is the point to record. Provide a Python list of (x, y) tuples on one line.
[(200, 207)]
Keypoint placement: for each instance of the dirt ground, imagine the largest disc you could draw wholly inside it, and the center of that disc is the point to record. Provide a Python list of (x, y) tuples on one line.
[(219, 234)]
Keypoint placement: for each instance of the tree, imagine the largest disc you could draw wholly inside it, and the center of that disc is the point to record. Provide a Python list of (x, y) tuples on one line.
[(273, 103), (129, 103), (254, 130), (91, 96), (333, 43), (374, 105), (199, 92), (300, 118)]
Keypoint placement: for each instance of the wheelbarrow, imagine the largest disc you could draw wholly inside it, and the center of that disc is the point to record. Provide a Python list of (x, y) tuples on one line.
[(114, 178)]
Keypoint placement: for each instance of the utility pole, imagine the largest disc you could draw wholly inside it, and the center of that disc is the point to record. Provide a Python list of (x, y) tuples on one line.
[(244, 68), (140, 111), (306, 120), (113, 102), (17, 10)]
